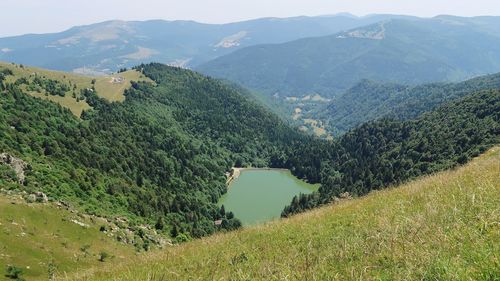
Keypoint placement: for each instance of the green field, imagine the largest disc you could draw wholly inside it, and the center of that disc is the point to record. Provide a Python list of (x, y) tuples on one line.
[(440, 227), (36, 237), (104, 85)]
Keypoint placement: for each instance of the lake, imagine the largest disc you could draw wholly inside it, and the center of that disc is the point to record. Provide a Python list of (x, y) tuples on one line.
[(259, 195)]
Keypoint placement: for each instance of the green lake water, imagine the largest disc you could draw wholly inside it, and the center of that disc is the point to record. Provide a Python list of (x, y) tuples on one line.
[(258, 196)]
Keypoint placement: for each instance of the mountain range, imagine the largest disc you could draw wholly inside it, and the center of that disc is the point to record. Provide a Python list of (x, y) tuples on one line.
[(134, 157), (409, 51), (108, 46)]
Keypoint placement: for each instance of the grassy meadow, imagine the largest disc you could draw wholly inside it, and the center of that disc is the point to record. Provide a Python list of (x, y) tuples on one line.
[(40, 238), (104, 85), (441, 227)]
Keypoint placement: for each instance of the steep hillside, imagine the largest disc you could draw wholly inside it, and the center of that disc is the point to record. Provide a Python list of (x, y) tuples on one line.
[(442, 227), (409, 51), (386, 152), (159, 157), (44, 241), (109, 46), (369, 100)]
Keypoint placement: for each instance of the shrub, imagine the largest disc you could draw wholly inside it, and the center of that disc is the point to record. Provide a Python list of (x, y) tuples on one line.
[(103, 256), (182, 237), (14, 272)]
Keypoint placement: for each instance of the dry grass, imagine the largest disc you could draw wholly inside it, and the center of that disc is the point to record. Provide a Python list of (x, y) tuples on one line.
[(114, 91), (32, 236), (316, 126), (441, 227), (104, 86)]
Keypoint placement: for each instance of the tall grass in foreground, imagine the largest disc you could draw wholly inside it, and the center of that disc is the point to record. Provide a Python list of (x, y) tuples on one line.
[(441, 227)]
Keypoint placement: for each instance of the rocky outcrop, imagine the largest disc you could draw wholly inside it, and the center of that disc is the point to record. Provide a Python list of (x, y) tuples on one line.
[(232, 175), (342, 197), (18, 165), (39, 197)]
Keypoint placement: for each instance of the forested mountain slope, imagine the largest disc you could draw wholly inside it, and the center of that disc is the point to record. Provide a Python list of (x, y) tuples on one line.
[(408, 51), (441, 227), (66, 88), (386, 152), (109, 46), (370, 100), (160, 155)]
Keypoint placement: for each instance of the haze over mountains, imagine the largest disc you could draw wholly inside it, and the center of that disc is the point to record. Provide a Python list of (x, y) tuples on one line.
[(409, 51), (108, 46), (281, 59)]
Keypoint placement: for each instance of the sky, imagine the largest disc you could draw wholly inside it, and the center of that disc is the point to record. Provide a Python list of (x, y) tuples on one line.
[(44, 16)]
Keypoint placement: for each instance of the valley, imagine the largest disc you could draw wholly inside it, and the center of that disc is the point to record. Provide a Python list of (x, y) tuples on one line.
[(335, 147), (439, 227), (411, 52)]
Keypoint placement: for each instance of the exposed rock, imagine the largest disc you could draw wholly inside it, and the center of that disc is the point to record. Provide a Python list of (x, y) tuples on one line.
[(80, 223), (345, 195), (232, 40), (342, 197), (39, 197), (18, 165), (31, 198)]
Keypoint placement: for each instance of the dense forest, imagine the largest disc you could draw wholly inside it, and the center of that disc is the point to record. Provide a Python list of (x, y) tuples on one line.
[(374, 100), (386, 152), (160, 157)]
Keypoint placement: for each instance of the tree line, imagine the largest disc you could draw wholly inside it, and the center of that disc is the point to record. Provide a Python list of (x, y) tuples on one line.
[(387, 152)]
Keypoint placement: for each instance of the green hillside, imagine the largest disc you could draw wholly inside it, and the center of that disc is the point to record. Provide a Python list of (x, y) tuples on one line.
[(66, 88), (43, 240), (382, 153), (159, 157), (370, 100), (404, 51), (155, 163), (441, 227)]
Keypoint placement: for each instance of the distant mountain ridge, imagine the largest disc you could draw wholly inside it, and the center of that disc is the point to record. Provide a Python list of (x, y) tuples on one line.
[(409, 51), (111, 45)]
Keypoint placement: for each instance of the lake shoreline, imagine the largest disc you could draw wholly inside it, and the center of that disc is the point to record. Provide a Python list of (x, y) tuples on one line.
[(235, 173), (259, 195)]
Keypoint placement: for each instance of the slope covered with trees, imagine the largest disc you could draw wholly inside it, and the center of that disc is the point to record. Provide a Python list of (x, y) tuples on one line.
[(408, 51), (386, 152), (160, 155), (441, 227), (370, 100)]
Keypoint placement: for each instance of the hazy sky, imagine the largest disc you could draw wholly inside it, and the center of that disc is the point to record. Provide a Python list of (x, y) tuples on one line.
[(41, 16)]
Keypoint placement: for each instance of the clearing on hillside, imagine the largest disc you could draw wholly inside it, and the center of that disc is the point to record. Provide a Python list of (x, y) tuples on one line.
[(110, 87)]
